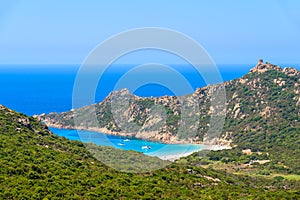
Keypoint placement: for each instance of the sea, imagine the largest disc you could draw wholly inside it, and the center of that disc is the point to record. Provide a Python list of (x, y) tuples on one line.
[(37, 89)]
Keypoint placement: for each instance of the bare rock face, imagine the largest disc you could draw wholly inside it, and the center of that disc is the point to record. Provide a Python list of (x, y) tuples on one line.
[(279, 82), (262, 67), (298, 102), (237, 110), (291, 71), (266, 112), (24, 122)]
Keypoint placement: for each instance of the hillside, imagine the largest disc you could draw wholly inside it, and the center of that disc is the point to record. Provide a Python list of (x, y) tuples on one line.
[(36, 164), (263, 101), (262, 115)]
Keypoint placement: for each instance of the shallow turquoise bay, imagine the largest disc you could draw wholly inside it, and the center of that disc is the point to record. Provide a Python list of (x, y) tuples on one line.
[(157, 149)]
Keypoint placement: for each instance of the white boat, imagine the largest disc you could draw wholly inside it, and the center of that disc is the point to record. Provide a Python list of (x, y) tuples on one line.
[(126, 140), (121, 144), (146, 147)]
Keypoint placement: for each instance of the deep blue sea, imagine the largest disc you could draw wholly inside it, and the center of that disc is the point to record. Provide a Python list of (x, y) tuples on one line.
[(48, 88)]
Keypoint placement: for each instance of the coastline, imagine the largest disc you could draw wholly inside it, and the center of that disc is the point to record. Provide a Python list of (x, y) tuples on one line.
[(172, 156), (131, 135)]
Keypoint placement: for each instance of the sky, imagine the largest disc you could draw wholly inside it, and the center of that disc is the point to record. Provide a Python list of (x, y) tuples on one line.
[(231, 31)]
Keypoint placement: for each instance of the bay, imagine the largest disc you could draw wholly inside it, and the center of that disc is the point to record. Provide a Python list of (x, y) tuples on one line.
[(161, 150)]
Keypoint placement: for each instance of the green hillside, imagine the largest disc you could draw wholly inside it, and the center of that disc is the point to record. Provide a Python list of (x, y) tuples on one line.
[(267, 125), (35, 164)]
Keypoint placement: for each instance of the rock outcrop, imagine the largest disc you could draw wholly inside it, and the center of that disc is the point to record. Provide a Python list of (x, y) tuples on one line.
[(262, 67)]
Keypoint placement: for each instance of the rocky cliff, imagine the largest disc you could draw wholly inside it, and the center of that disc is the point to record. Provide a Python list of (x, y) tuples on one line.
[(264, 101)]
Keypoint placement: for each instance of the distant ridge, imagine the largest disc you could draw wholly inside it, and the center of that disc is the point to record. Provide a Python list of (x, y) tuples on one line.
[(248, 98)]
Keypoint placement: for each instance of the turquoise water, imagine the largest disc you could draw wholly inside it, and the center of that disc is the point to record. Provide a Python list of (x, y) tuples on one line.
[(157, 149)]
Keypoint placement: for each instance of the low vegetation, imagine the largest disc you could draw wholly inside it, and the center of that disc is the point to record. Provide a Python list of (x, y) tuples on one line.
[(35, 164)]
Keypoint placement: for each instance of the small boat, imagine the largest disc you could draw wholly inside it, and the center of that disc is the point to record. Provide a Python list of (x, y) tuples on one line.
[(146, 147), (126, 140), (121, 144)]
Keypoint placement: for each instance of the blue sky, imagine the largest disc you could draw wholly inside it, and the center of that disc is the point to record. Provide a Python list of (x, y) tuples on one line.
[(232, 31)]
